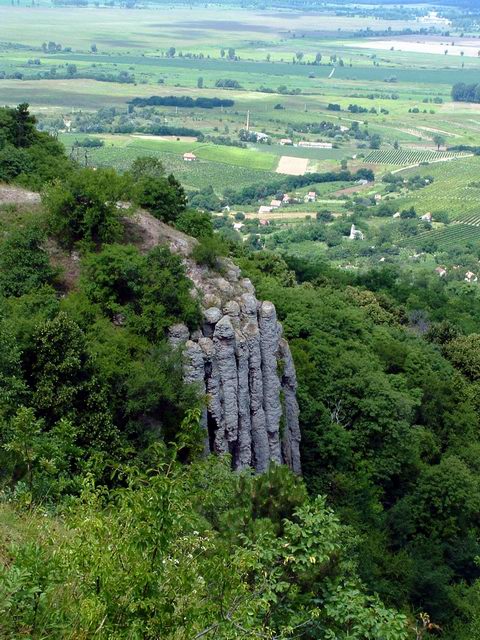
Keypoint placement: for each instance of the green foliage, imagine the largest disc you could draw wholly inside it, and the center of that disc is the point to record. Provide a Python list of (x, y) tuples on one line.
[(163, 196), (144, 560), (83, 207), (195, 223), (209, 250), (389, 427), (464, 353), (26, 155), (24, 264), (65, 385), (148, 293)]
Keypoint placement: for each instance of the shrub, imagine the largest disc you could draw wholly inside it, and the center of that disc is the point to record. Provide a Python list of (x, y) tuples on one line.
[(83, 207), (209, 250), (195, 223), (24, 264)]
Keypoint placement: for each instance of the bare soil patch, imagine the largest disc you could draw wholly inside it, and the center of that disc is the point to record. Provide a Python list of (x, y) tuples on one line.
[(17, 195), (292, 166)]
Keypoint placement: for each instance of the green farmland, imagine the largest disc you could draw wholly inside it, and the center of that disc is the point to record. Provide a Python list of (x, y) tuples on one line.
[(455, 190), (298, 74)]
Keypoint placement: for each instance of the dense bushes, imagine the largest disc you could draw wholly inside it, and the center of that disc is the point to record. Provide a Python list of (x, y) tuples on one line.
[(209, 250), (24, 264), (162, 195), (149, 293), (186, 550), (195, 223), (83, 207)]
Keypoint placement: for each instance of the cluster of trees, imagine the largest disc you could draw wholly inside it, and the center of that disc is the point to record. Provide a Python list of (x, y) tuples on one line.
[(27, 155), (184, 102), (462, 92), (227, 83), (387, 372), (323, 127)]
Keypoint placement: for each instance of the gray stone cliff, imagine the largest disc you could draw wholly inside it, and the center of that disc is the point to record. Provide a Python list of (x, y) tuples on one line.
[(238, 360), (245, 370)]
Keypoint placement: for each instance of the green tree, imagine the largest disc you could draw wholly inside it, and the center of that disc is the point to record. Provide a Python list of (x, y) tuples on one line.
[(164, 197), (65, 385), (439, 140), (24, 263), (195, 223), (83, 207)]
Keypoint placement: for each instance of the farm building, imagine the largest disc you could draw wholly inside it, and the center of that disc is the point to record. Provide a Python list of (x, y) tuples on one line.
[(470, 277), (261, 137), (442, 272), (286, 142), (264, 223), (315, 145), (378, 197), (427, 217), (275, 204), (286, 198), (265, 209), (189, 157), (310, 197)]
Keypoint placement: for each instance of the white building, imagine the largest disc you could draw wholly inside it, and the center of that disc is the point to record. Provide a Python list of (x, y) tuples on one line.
[(265, 209), (355, 234), (315, 145)]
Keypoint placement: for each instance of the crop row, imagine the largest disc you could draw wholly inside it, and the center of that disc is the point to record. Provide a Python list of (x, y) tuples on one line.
[(453, 191), (407, 157), (454, 235)]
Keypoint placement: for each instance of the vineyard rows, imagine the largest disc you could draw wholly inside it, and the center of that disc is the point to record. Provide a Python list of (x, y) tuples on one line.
[(458, 234), (455, 190), (408, 157)]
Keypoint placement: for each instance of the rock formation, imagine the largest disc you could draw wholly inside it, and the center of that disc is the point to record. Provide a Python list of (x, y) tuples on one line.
[(244, 367), (238, 360)]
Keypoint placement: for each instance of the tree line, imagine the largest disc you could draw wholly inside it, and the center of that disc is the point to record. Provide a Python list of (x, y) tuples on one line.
[(183, 102)]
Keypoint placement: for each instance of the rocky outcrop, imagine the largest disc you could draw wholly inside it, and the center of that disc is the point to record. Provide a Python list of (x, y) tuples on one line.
[(238, 359), (244, 367)]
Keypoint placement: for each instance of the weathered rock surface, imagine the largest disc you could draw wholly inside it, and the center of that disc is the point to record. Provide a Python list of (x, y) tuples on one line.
[(238, 359), (244, 367)]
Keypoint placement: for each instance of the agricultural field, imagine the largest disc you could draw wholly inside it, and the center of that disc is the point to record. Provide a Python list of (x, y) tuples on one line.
[(301, 75), (218, 170), (448, 237), (405, 157), (455, 190)]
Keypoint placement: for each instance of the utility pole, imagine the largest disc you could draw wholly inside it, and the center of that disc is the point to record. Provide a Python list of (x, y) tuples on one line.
[(248, 120)]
